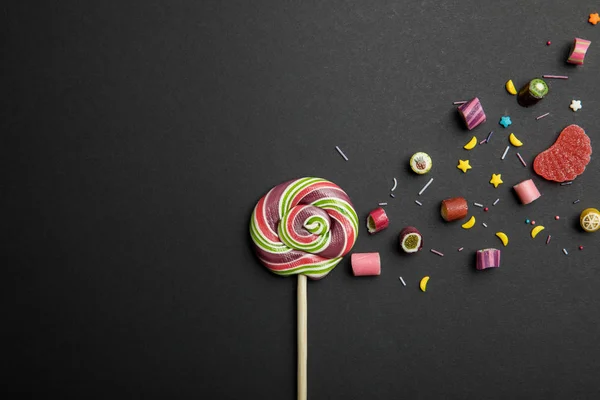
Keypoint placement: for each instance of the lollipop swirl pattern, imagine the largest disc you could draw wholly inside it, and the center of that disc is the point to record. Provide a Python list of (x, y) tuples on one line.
[(304, 226)]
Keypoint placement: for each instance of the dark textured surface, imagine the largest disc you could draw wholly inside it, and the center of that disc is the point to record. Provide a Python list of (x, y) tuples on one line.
[(137, 136)]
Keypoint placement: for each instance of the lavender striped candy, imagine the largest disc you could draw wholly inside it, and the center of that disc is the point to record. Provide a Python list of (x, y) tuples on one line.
[(472, 113), (488, 258)]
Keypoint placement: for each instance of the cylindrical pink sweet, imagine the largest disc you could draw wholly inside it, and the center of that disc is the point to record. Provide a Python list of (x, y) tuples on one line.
[(454, 209), (578, 50), (377, 220), (527, 191), (366, 264), (488, 258), (472, 113)]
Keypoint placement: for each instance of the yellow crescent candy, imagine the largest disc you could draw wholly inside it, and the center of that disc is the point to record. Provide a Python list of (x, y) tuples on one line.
[(510, 87), (536, 230), (514, 141), (502, 236), (472, 143), (469, 224), (423, 283)]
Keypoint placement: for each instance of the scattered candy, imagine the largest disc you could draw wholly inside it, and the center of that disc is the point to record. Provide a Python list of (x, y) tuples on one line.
[(463, 165), (510, 87), (392, 195), (471, 144), (402, 280), (505, 151), (505, 121), (418, 202), (484, 224), (548, 43), (532, 222), (557, 217), (411, 240), (459, 102), (395, 184), (483, 141), (521, 159), (548, 239), (472, 113), (542, 116), (589, 219), (454, 209), (486, 209), (555, 76), (437, 252), (420, 163), (566, 158), (496, 180), (536, 230), (527, 191), (594, 18), (478, 205), (503, 237), (514, 140), (281, 218), (426, 186), (469, 224), (527, 221), (366, 264), (460, 248), (566, 183), (382, 204), (487, 258), (377, 220), (341, 153), (580, 247), (576, 105), (489, 136), (576, 201), (496, 202), (532, 92), (423, 283), (566, 252), (578, 50)]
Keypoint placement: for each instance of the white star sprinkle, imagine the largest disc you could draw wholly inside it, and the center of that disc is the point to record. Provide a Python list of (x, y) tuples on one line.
[(576, 105)]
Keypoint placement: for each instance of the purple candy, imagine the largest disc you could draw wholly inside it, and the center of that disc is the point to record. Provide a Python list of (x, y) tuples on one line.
[(488, 258), (472, 113)]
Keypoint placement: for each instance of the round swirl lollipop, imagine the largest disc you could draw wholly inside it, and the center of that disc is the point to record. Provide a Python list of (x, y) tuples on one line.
[(303, 227)]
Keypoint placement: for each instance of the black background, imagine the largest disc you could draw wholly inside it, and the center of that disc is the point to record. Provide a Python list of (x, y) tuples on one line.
[(137, 137)]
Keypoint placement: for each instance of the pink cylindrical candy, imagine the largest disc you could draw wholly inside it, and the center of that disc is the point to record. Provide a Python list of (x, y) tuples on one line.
[(377, 220), (472, 113), (578, 50), (527, 191), (366, 264), (488, 258)]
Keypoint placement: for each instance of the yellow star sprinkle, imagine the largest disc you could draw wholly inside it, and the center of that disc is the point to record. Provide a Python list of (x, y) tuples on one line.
[(496, 180), (463, 165)]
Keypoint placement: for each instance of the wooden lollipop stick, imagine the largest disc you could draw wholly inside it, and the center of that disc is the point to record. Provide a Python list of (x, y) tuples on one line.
[(302, 354)]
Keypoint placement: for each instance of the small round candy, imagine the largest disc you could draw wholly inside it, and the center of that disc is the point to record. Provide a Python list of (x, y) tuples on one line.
[(527, 221), (557, 218), (420, 163), (548, 43), (486, 209), (532, 222), (580, 247)]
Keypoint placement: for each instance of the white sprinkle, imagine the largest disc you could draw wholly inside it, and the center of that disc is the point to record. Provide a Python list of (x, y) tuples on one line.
[(402, 280), (395, 184), (496, 202), (505, 151), (426, 186), (542, 116), (392, 195), (461, 249), (383, 204), (566, 252), (478, 205), (566, 183), (484, 224), (437, 252), (418, 202), (459, 102), (341, 153), (576, 201)]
